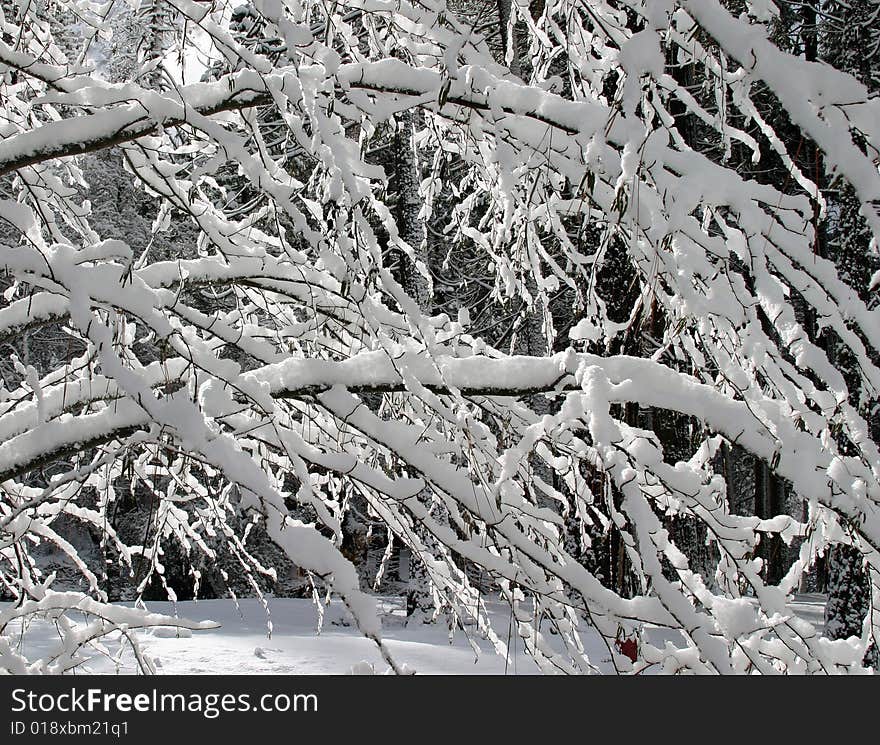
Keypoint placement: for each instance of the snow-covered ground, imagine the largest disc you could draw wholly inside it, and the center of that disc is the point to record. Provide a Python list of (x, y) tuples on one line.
[(242, 645)]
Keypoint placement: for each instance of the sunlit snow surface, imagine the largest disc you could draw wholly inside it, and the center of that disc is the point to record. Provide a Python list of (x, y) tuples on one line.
[(242, 644)]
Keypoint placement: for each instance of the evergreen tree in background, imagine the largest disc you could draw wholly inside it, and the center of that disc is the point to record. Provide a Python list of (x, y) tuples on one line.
[(850, 35)]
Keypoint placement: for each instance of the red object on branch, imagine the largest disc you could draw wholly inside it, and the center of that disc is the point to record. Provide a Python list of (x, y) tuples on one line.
[(628, 647)]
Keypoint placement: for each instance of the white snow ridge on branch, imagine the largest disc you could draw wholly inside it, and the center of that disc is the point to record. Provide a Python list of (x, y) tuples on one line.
[(550, 298)]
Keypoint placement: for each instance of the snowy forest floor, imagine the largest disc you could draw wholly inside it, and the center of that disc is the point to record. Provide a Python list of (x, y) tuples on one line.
[(243, 646)]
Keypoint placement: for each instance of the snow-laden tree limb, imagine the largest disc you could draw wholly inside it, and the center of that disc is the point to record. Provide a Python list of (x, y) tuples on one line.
[(261, 354)]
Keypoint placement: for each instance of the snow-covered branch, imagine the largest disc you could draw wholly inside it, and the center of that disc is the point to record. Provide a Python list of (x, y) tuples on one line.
[(283, 277)]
